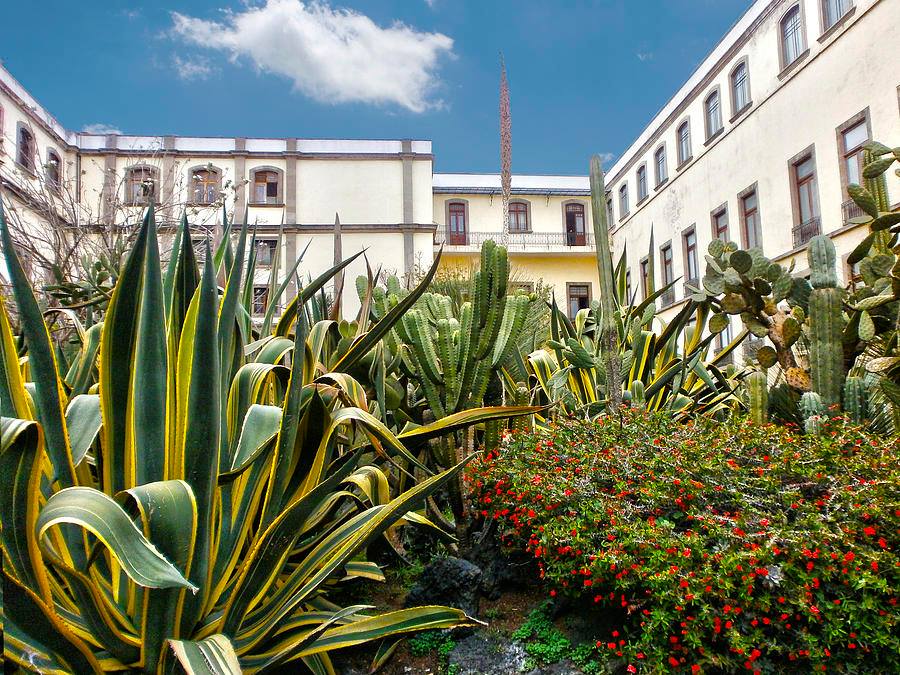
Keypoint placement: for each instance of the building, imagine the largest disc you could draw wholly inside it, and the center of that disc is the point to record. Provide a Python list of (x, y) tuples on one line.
[(757, 146)]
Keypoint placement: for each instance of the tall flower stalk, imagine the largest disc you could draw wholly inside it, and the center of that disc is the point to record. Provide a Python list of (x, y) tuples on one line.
[(505, 145)]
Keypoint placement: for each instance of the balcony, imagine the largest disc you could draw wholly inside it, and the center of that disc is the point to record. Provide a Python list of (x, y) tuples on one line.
[(518, 242), (806, 231), (850, 210)]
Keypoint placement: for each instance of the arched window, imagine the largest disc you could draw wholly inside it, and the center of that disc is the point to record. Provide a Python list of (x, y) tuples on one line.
[(53, 170), (791, 36), (623, 201), (140, 185), (642, 183), (684, 142), (662, 168), (575, 232), (456, 223), (25, 148), (518, 217), (205, 185), (740, 88), (266, 187), (713, 109)]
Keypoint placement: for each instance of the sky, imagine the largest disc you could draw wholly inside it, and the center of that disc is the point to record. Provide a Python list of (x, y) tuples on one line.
[(585, 75)]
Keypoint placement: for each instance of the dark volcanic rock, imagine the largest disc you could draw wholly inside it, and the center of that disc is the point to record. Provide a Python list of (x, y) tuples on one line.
[(447, 581)]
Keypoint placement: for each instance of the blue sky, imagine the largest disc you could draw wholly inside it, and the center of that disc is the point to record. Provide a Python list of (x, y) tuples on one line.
[(585, 75)]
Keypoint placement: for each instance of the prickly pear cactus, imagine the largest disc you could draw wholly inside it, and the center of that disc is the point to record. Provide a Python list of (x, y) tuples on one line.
[(758, 396)]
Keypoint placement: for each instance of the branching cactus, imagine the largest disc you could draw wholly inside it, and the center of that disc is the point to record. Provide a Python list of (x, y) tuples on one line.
[(856, 399), (826, 322), (758, 396)]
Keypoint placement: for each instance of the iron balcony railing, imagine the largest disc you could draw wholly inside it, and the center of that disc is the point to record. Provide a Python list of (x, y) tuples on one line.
[(850, 209), (806, 231), (518, 241)]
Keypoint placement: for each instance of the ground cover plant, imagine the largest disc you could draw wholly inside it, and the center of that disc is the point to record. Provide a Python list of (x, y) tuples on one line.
[(710, 546)]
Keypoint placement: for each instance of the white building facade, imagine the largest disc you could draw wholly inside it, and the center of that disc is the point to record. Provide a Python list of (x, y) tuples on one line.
[(757, 146)]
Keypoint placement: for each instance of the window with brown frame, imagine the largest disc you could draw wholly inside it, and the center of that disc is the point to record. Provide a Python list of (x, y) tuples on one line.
[(575, 232), (628, 285), (791, 36), (456, 223), (53, 171), (668, 272), (645, 278), (579, 298), (25, 149), (852, 140), (713, 113), (205, 186), (806, 192), (662, 169), (609, 210), (140, 185), (751, 233), (2, 128), (691, 261), (260, 300), (720, 224), (684, 142), (724, 338), (265, 187), (518, 217)]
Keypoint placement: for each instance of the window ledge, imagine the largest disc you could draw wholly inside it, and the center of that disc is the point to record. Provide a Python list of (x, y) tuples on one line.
[(260, 205), (661, 183), (793, 65), (837, 25), (642, 200), (740, 112), (528, 231), (686, 161), (624, 217), (25, 169), (202, 205), (712, 138)]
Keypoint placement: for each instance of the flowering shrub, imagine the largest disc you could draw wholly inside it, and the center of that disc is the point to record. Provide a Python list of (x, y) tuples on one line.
[(713, 546)]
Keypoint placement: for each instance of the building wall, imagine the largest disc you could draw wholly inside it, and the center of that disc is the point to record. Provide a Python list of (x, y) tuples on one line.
[(791, 111)]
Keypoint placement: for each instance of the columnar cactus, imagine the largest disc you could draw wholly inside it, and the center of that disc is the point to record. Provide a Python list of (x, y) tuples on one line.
[(812, 408), (826, 354), (758, 396), (856, 399)]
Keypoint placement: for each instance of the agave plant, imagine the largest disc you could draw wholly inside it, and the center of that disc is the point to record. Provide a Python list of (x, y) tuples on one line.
[(171, 502)]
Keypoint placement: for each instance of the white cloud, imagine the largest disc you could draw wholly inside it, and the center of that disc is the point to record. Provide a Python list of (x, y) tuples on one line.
[(645, 56), (191, 68), (100, 128), (431, 3), (331, 55), (606, 157)]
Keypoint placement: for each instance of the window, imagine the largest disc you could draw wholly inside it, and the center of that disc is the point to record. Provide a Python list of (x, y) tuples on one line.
[(852, 140), (642, 183), (266, 251), (713, 109), (724, 338), (260, 300), (806, 200), (609, 210), (662, 171), (140, 185), (25, 149), (668, 272), (791, 36), (628, 286), (53, 171), (266, 189), (518, 217), (750, 230), (623, 201), (684, 142), (205, 186), (1, 127), (720, 224), (575, 233), (740, 88), (456, 223), (833, 11), (691, 263), (646, 281), (579, 298)]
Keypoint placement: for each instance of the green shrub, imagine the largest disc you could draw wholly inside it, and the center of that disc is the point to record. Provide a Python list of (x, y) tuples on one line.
[(718, 546)]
